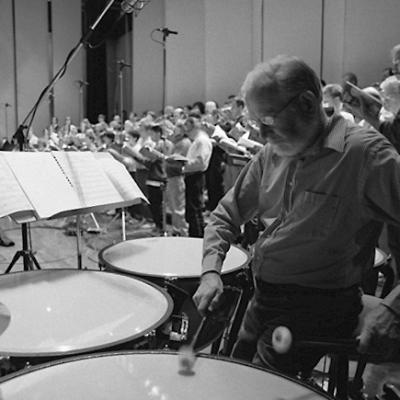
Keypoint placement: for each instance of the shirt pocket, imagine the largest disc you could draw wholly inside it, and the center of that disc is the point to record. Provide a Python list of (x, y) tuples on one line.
[(314, 214)]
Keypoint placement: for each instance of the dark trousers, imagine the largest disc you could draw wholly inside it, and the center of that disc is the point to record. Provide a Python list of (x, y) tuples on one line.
[(137, 210), (214, 178), (194, 203), (156, 199), (141, 176), (307, 312)]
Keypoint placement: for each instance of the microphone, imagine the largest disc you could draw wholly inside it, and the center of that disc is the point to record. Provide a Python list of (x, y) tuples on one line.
[(122, 63), (82, 83), (129, 6), (166, 31)]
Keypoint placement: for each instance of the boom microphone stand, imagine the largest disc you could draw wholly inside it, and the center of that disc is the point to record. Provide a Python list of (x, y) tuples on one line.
[(6, 105), (122, 65), (166, 32), (81, 85), (26, 252)]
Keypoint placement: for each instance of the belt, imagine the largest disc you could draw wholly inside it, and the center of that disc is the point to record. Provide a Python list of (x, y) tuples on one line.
[(292, 288), (194, 174)]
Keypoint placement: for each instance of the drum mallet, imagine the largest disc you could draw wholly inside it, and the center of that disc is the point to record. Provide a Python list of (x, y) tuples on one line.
[(187, 355), (282, 339)]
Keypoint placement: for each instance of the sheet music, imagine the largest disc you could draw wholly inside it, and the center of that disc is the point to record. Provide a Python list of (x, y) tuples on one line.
[(89, 181), (120, 178), (12, 197), (43, 183)]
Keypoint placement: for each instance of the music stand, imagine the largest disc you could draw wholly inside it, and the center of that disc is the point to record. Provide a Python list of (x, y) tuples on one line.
[(26, 253)]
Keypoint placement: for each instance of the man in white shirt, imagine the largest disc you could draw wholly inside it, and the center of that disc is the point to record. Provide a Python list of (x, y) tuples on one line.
[(198, 156)]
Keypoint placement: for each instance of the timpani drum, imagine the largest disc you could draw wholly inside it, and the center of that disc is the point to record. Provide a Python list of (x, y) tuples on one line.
[(175, 263), (59, 312), (152, 375)]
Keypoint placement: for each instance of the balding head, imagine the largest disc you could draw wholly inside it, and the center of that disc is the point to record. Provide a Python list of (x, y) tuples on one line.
[(285, 76)]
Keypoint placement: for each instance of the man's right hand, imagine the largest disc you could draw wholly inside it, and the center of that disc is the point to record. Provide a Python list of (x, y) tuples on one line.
[(209, 292)]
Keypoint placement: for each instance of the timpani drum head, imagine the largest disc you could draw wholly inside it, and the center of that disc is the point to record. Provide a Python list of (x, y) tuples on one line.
[(140, 376), (165, 257), (61, 312)]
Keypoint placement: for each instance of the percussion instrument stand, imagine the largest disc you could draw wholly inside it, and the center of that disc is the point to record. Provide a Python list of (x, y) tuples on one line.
[(246, 289), (26, 253)]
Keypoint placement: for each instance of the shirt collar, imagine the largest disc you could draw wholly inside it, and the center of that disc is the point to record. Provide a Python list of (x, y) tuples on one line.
[(335, 138)]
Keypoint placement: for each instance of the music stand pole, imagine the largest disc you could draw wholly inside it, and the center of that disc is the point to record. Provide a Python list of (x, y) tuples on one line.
[(79, 241)]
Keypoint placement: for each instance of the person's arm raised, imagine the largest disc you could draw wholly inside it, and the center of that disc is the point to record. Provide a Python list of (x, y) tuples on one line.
[(363, 104)]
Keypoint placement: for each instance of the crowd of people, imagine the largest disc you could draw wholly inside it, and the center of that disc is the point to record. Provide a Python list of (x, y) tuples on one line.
[(179, 158)]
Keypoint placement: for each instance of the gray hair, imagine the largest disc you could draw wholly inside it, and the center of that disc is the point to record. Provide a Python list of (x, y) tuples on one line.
[(391, 85), (395, 52)]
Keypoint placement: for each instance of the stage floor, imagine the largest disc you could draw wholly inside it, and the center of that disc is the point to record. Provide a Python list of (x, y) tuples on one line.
[(54, 242)]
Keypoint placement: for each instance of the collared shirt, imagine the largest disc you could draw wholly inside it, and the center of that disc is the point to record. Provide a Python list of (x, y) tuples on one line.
[(325, 201), (199, 154)]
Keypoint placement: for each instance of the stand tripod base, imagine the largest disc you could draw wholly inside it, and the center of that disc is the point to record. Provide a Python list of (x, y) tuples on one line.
[(28, 257), (30, 261)]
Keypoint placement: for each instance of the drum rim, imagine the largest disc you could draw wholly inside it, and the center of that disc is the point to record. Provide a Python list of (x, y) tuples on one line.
[(61, 354), (67, 360), (112, 267)]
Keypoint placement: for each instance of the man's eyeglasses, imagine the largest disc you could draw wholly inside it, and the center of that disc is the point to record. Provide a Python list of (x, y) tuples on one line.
[(269, 120)]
